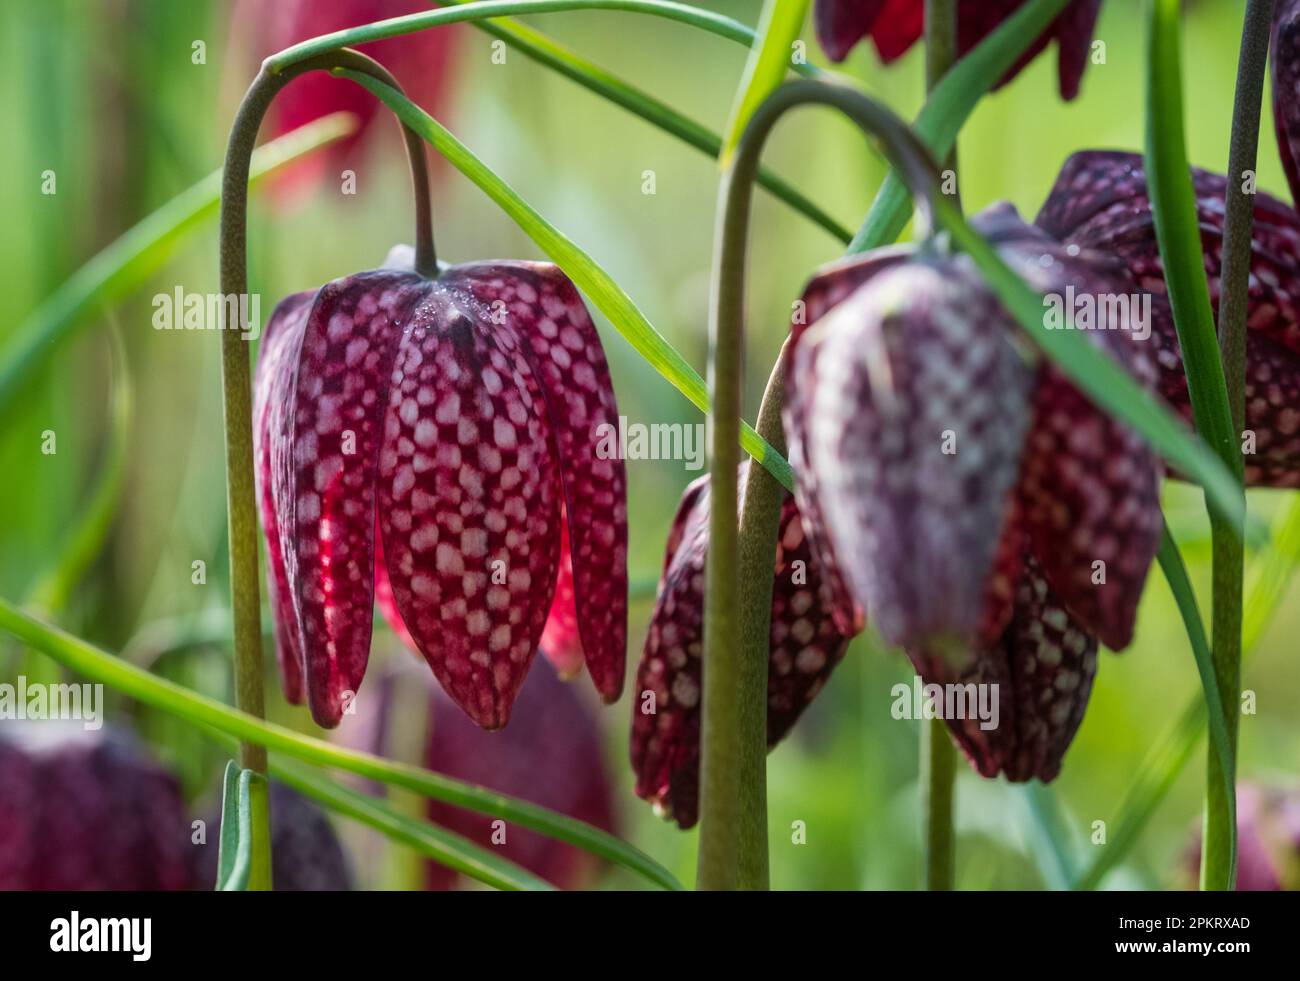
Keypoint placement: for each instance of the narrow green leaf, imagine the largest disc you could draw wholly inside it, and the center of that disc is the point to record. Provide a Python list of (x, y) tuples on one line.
[(235, 856), (546, 51), (124, 264), (1101, 378), (769, 60), (449, 849), (1173, 207), (948, 108), (1269, 580), (604, 292), (489, 16), (683, 13), (87, 660), (229, 841), (1171, 563), (1048, 835)]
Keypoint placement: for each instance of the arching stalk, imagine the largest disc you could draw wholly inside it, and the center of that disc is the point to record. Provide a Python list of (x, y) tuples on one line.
[(733, 753), (237, 394)]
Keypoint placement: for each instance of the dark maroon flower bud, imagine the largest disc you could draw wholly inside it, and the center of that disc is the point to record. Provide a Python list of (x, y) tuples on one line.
[(451, 421), (1268, 840), (423, 61), (550, 755), (895, 25), (1284, 61), (1100, 202), (306, 854), (1043, 666), (989, 519), (807, 642), (88, 810)]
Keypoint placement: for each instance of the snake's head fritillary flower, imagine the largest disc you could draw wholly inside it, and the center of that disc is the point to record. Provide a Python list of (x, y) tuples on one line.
[(808, 638), (88, 810), (1268, 840), (895, 25), (447, 426), (1100, 202), (988, 518), (424, 61), (1284, 62), (550, 755)]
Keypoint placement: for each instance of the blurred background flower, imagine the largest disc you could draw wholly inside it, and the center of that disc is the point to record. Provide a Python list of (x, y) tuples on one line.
[(895, 25), (1268, 840), (86, 810), (424, 63)]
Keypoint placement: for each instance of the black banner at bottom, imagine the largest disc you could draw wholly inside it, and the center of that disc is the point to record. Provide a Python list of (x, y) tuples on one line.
[(332, 931)]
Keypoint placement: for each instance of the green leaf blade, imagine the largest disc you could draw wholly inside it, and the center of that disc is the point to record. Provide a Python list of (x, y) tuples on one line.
[(769, 60), (235, 855), (449, 849), (79, 656)]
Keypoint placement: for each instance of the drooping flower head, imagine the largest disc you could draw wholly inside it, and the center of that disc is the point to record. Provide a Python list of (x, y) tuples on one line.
[(88, 810), (1100, 202), (987, 517), (447, 426), (895, 25), (809, 634)]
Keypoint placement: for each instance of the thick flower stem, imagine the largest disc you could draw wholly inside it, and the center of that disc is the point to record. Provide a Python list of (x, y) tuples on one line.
[(1218, 857), (733, 734), (237, 393), (936, 778), (938, 755)]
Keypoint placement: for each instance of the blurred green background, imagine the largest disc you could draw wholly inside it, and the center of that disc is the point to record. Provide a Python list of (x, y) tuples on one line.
[(106, 95)]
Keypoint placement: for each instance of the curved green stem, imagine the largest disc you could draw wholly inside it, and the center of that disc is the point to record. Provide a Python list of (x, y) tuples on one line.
[(1218, 856), (1173, 206), (937, 778), (87, 660), (938, 755), (683, 13), (237, 393), (490, 18), (733, 843)]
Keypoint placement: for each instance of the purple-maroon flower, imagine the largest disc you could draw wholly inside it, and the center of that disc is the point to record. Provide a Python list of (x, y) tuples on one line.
[(1284, 61), (550, 755), (895, 25), (446, 424), (86, 810), (1268, 840), (986, 516), (809, 635), (1100, 202)]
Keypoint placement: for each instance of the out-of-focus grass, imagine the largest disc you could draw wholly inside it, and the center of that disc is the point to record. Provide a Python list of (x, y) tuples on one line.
[(107, 97)]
